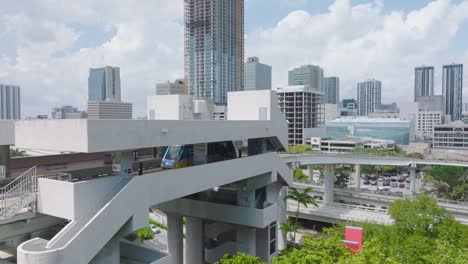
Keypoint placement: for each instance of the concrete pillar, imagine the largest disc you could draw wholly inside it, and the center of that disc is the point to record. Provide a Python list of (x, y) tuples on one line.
[(110, 253), (194, 241), (4, 160), (123, 161), (311, 173), (175, 242), (246, 240), (263, 243), (358, 177), (413, 179), (329, 178)]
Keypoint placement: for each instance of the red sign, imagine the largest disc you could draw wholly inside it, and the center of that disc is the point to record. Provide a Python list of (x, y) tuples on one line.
[(353, 238)]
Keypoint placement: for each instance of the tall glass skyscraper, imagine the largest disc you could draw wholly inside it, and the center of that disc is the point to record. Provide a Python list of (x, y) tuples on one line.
[(214, 47), (332, 90), (369, 97), (452, 89), (423, 81), (10, 102), (307, 75), (257, 75), (104, 84)]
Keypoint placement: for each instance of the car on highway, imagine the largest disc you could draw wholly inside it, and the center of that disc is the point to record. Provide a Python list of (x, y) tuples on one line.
[(366, 182), (375, 183), (366, 178), (381, 178), (394, 184), (386, 183), (393, 179), (402, 179), (402, 185)]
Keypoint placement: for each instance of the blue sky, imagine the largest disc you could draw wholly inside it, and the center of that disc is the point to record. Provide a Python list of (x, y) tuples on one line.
[(47, 46)]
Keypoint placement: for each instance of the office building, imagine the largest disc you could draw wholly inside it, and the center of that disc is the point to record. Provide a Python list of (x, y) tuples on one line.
[(451, 136), (423, 81), (257, 75), (109, 110), (465, 108), (179, 107), (304, 110), (423, 117), (332, 111), (67, 112), (369, 97), (397, 130), (431, 103), (104, 84), (452, 88), (309, 75), (168, 88), (10, 102), (349, 107), (349, 144), (214, 48), (332, 90)]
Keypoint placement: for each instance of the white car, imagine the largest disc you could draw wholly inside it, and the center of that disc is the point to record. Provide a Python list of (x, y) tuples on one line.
[(155, 229)]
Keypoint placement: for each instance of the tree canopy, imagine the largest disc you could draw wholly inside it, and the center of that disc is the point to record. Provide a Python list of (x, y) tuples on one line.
[(298, 149)]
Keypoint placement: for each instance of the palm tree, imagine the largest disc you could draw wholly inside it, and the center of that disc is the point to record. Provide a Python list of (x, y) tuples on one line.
[(303, 198), (287, 229), (16, 153)]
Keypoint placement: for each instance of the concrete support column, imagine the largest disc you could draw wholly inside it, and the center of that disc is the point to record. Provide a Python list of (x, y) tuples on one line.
[(329, 178), (123, 162), (110, 253), (263, 243), (310, 168), (194, 241), (358, 177), (4, 160), (413, 179), (175, 242), (246, 240)]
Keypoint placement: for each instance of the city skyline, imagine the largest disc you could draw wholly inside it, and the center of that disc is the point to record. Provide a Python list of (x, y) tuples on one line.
[(68, 46)]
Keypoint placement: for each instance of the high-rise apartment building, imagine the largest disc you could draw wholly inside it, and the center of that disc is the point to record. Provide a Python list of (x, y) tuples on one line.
[(257, 75), (423, 81), (214, 48), (307, 75), (10, 102), (169, 88), (332, 90), (369, 96), (452, 88), (304, 110), (104, 84)]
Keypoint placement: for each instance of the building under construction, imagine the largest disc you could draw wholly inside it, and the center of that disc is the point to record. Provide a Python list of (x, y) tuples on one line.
[(214, 47)]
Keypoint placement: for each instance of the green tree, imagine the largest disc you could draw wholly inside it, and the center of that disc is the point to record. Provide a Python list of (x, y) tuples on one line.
[(302, 198), (341, 178), (144, 234), (416, 155), (16, 153), (299, 175), (298, 149), (289, 228), (240, 258)]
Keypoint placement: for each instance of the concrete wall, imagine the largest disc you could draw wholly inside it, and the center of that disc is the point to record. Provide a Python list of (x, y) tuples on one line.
[(247, 105), (7, 132), (71, 200)]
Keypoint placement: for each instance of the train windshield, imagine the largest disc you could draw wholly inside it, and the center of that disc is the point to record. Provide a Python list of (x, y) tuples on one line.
[(173, 152)]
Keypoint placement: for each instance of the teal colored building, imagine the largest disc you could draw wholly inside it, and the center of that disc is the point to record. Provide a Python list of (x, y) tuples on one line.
[(391, 129)]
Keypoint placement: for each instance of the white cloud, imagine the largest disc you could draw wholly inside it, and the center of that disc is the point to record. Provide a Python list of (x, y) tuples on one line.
[(361, 41)]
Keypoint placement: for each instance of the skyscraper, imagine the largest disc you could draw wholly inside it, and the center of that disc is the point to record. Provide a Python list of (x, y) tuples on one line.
[(332, 90), (257, 75), (423, 81), (452, 88), (104, 84), (10, 102), (369, 94), (307, 75), (214, 48)]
